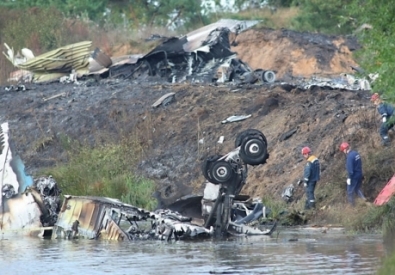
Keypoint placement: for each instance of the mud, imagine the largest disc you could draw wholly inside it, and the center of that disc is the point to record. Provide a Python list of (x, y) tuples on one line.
[(97, 111)]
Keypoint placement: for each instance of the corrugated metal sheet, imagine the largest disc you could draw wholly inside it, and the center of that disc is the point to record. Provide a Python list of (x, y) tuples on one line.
[(59, 62)]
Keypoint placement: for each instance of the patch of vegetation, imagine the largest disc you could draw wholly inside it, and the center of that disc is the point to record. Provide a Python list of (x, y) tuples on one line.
[(105, 170), (276, 207), (379, 165), (324, 16), (276, 19), (279, 211), (388, 266)]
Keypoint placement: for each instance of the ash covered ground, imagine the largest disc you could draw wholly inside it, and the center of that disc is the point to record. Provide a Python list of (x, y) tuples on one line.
[(291, 117)]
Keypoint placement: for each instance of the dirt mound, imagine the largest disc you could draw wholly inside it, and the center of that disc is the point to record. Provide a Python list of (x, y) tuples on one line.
[(178, 136), (293, 53)]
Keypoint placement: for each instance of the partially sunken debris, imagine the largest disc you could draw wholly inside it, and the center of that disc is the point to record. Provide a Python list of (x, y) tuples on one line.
[(24, 204), (34, 206)]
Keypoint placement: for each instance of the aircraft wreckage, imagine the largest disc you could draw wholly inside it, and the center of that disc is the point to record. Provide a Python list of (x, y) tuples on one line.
[(34, 207), (202, 55)]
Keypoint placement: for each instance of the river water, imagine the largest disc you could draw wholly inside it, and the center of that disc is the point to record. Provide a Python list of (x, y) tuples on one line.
[(298, 251)]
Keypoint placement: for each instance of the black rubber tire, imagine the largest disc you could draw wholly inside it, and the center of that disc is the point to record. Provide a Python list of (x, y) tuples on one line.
[(249, 132), (253, 151), (269, 76), (206, 166), (221, 172)]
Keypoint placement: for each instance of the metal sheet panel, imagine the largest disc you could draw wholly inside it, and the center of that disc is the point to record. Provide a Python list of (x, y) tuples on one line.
[(21, 212), (85, 211), (95, 216)]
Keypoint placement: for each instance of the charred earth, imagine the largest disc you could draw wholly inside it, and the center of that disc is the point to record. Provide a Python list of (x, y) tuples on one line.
[(178, 135)]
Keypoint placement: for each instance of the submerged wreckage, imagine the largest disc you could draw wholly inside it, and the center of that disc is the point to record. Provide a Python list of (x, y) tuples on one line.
[(34, 205), (202, 55)]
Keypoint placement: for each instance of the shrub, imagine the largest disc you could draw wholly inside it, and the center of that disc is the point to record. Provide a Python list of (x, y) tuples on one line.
[(106, 171)]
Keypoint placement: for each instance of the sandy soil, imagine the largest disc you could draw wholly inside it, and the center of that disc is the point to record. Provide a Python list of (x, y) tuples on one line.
[(292, 53), (319, 117)]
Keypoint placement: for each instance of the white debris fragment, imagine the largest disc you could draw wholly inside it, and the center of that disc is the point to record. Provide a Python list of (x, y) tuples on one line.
[(235, 118)]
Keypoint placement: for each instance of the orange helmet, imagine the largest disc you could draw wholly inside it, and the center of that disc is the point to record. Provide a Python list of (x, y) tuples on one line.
[(344, 146), (374, 97), (306, 150)]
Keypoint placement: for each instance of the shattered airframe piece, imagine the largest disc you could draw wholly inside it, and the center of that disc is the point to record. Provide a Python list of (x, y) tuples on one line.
[(245, 216), (198, 56), (110, 219), (235, 118), (164, 100), (24, 204), (28, 205), (9, 184), (195, 57), (344, 81), (56, 63), (95, 217), (288, 193)]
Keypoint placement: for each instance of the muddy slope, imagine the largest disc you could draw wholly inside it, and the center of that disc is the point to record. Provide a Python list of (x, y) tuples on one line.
[(96, 111)]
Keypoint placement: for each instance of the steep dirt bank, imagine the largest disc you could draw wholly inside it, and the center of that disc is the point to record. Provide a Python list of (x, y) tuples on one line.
[(176, 137), (320, 118)]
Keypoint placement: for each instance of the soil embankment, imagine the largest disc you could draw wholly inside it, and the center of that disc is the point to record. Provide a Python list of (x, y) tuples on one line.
[(290, 117)]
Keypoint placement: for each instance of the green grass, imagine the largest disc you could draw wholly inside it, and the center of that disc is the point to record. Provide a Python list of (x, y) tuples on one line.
[(388, 266), (106, 171)]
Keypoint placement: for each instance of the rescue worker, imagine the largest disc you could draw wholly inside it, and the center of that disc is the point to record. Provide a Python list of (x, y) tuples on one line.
[(311, 175), (386, 111), (354, 173)]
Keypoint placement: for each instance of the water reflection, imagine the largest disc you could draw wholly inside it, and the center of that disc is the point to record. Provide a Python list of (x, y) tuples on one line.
[(290, 253)]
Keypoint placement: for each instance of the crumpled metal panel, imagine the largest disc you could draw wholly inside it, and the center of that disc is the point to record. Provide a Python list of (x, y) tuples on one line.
[(112, 231), (197, 54), (22, 212), (197, 37), (17, 210), (7, 176), (96, 217), (85, 211), (23, 206), (59, 62)]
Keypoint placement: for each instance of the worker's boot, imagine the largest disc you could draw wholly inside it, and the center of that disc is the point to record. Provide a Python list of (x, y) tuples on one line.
[(385, 141), (312, 205)]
